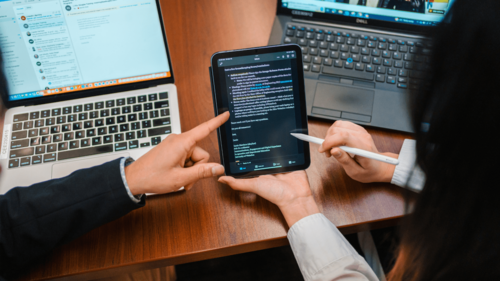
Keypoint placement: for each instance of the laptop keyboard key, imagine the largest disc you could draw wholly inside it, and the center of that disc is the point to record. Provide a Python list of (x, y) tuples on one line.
[(105, 113), (19, 135), (85, 152), (77, 126), (28, 151), (102, 131), (28, 125), (36, 159), (161, 122), (19, 144), (121, 119), (79, 134), (90, 133), (61, 119), (123, 127), (62, 146), (126, 109), (69, 136), (118, 137), (57, 138), (25, 161), (13, 163), (137, 108), (380, 78), (88, 124), (74, 144), (120, 146), (96, 141), (51, 147), (113, 129), (44, 131), (130, 135), (67, 110), (46, 139), (55, 129), (83, 116), (51, 157), (35, 141), (99, 105), (156, 140), (99, 122), (21, 117), (115, 111), (93, 114), (142, 98), (131, 100), (141, 134), (17, 127), (34, 115), (159, 131), (132, 117), (110, 120), (72, 118), (107, 139), (120, 102), (133, 144), (50, 121), (110, 103), (135, 126), (77, 108), (164, 112), (85, 143)]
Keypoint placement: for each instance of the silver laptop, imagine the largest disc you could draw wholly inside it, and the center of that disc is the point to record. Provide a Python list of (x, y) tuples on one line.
[(360, 56), (88, 82)]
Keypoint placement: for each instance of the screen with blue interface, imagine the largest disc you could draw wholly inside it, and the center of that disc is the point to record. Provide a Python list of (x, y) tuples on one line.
[(416, 12), (54, 47)]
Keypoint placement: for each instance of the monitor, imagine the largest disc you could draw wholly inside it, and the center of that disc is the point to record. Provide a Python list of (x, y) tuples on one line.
[(410, 12), (58, 47)]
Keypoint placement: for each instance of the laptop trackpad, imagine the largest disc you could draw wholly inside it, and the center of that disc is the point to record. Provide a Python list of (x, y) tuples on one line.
[(66, 168), (345, 99)]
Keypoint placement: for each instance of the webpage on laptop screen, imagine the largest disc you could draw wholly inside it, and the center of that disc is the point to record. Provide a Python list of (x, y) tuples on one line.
[(416, 12), (59, 46)]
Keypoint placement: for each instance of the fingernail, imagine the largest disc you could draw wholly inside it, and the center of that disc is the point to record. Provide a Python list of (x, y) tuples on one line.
[(217, 170), (337, 154)]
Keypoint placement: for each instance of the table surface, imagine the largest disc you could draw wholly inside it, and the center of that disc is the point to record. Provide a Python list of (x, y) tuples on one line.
[(211, 220)]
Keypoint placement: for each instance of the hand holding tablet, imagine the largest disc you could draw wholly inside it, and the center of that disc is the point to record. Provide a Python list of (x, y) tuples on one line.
[(263, 89)]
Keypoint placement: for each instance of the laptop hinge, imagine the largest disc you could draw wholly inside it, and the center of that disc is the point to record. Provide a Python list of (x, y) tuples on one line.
[(360, 28)]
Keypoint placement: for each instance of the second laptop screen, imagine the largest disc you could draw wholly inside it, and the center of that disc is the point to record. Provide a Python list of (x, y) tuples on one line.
[(60, 46)]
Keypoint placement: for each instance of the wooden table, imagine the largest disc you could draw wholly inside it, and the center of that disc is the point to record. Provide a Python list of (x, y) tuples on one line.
[(212, 220)]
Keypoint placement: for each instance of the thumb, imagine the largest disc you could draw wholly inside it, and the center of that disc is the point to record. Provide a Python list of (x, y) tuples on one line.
[(200, 171), (344, 159)]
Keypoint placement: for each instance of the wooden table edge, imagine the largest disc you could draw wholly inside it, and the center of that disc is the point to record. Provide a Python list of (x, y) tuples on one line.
[(213, 253)]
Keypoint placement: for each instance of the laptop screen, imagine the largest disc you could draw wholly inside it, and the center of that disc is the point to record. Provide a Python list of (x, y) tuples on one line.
[(413, 12), (53, 47)]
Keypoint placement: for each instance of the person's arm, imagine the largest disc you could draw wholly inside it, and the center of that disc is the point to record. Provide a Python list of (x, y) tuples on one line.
[(321, 251), (35, 219), (362, 169), (38, 218)]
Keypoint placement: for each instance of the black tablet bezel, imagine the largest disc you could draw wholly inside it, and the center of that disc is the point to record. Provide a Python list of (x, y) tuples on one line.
[(217, 98)]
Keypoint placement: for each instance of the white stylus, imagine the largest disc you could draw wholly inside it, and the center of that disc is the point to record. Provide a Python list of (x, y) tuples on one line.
[(356, 151)]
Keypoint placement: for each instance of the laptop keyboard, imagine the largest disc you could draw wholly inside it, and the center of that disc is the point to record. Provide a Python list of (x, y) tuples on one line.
[(88, 129), (366, 57)]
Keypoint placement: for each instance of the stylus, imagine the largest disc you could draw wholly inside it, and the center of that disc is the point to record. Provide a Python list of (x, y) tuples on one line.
[(356, 151)]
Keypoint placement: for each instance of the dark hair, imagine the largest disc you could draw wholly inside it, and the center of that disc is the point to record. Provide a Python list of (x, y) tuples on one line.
[(453, 232)]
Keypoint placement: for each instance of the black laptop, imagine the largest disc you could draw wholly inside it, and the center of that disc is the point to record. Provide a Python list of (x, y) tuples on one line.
[(360, 56)]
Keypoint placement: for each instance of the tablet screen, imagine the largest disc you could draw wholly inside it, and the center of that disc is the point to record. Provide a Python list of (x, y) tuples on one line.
[(264, 93)]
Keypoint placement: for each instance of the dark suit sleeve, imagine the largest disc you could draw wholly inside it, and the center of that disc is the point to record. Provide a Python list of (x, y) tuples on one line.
[(36, 219)]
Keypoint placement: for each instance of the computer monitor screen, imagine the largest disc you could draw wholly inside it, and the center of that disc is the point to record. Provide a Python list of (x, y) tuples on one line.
[(414, 12), (55, 47)]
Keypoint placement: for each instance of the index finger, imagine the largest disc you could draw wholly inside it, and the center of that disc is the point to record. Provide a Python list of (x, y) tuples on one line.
[(204, 129)]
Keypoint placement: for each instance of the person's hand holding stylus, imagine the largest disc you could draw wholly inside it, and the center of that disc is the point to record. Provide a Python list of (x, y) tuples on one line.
[(344, 133)]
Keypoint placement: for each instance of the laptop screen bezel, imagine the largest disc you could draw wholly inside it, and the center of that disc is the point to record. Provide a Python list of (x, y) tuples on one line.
[(102, 91), (394, 26)]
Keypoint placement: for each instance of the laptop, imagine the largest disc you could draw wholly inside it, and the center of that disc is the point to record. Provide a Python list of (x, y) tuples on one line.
[(360, 56), (88, 82)]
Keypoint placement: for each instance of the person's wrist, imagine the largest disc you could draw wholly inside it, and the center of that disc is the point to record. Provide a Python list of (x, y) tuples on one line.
[(133, 180), (298, 209), (388, 172)]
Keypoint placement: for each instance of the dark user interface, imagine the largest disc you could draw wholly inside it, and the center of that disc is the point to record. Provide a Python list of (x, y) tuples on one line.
[(263, 99)]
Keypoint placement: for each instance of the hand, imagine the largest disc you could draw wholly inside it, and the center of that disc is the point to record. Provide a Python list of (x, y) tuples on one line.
[(357, 167), (290, 192), (177, 161)]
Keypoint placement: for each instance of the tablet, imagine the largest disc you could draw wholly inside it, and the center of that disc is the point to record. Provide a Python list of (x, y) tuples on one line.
[(263, 89)]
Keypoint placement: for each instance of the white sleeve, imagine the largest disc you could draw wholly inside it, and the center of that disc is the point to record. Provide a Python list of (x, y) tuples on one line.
[(407, 174), (323, 253)]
